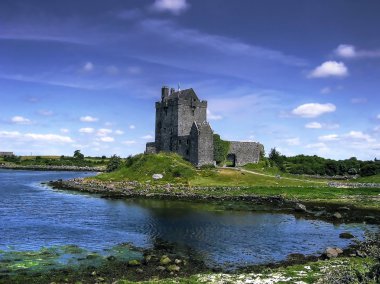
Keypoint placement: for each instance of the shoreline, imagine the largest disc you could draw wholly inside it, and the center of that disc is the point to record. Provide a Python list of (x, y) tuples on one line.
[(52, 168), (312, 209)]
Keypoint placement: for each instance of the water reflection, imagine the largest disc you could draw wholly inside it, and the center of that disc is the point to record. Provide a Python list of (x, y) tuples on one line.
[(32, 216)]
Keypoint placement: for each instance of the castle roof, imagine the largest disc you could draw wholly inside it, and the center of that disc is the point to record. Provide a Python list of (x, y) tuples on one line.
[(185, 94)]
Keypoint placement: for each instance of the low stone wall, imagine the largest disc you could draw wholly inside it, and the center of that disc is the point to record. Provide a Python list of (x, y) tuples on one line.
[(245, 152)]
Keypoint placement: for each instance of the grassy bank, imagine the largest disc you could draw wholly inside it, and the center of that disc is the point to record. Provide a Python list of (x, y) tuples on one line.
[(251, 180)]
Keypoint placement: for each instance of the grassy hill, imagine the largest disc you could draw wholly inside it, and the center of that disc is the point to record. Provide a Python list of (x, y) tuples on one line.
[(142, 167), (176, 170)]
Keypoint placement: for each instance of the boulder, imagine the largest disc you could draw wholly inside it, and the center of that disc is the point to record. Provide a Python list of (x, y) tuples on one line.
[(173, 268), (134, 262), (160, 268), (346, 235), (337, 215), (157, 176), (333, 252), (165, 260), (300, 207)]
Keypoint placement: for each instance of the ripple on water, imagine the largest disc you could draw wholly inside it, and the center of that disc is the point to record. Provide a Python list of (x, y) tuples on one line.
[(33, 216)]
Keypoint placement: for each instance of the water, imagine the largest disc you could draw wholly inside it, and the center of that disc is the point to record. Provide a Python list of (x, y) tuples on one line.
[(34, 216)]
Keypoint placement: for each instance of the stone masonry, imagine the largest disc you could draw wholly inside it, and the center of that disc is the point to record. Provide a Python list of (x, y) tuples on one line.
[(182, 127)]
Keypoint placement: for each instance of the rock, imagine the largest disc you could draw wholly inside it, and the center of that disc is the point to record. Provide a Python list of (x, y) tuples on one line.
[(346, 235), (157, 176), (361, 253), (177, 261), (160, 268), (337, 215), (173, 268), (134, 262), (139, 270), (300, 207), (344, 208), (295, 257), (165, 260), (332, 252), (369, 218), (148, 258), (111, 258), (93, 273)]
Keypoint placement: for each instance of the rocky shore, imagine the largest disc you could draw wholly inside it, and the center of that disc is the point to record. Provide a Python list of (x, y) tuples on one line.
[(306, 209), (51, 168)]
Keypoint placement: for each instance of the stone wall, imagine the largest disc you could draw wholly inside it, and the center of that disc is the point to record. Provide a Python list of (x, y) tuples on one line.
[(150, 148), (245, 152), (201, 144)]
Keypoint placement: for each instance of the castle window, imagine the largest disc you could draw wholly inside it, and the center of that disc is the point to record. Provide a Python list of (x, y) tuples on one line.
[(179, 142), (187, 142), (166, 111), (193, 112), (187, 152)]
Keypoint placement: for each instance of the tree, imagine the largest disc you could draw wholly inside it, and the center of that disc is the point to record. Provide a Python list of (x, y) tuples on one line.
[(221, 148), (114, 163), (78, 155)]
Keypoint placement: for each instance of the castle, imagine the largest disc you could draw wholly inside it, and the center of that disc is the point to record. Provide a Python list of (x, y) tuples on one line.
[(182, 127)]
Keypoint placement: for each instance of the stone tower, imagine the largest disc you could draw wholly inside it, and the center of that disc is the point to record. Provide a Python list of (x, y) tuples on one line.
[(181, 127)]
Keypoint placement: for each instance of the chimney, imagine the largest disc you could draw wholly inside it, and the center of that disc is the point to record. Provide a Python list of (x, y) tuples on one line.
[(164, 92)]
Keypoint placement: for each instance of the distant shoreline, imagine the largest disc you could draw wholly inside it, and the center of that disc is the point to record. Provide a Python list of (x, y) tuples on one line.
[(52, 168)]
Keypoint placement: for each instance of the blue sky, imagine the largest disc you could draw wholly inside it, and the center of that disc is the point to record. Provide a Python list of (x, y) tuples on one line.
[(302, 76)]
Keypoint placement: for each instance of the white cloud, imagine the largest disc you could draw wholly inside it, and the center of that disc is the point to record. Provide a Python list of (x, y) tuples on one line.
[(174, 6), (212, 116), (317, 125), (313, 125), (346, 51), (119, 132), (358, 100), (107, 139), (329, 69), (132, 126), (326, 90), (45, 112), (88, 119), (147, 137), (50, 138), (329, 137), (313, 109), (293, 141), (112, 70), (9, 134), (134, 70), (103, 132), (359, 136), (87, 130), (20, 120), (64, 130), (88, 67), (349, 51), (54, 138), (129, 142)]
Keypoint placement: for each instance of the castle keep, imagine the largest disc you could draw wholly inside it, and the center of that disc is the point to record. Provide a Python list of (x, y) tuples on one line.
[(182, 127)]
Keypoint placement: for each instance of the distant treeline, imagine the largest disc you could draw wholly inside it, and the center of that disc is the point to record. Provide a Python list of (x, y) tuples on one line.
[(314, 165), (78, 160)]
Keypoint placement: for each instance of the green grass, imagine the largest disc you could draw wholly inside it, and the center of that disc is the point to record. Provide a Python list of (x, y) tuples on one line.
[(231, 177), (142, 167), (370, 179), (218, 182)]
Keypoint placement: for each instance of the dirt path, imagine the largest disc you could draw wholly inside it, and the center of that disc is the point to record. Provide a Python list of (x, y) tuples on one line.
[(267, 175)]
